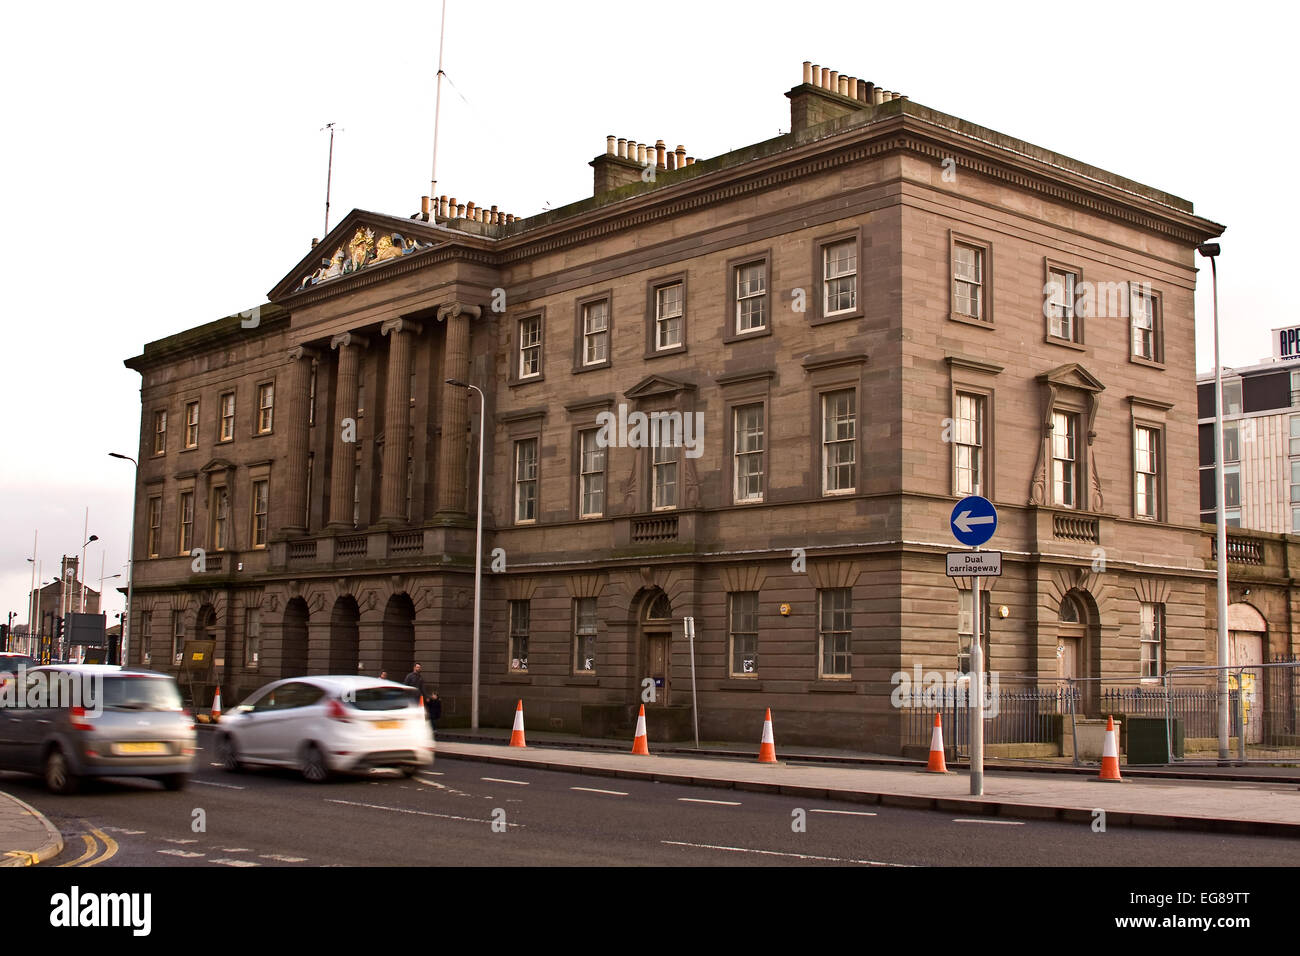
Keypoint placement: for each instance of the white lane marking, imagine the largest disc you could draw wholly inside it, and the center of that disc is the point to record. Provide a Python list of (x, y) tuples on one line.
[(845, 813), (174, 840), (612, 793), (517, 783), (721, 803), (212, 783), (215, 763), (434, 773), (419, 813), (236, 849), (122, 830), (237, 862), (282, 858), (1001, 823), (797, 856), (181, 853)]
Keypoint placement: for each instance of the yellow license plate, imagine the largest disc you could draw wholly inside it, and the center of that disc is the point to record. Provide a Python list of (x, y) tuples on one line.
[(388, 724), (140, 747)]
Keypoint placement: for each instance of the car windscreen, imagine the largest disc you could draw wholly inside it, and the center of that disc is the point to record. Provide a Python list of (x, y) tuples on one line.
[(383, 698), (130, 692), (10, 663)]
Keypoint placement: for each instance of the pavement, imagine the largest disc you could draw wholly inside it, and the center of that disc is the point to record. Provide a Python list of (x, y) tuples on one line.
[(26, 837)]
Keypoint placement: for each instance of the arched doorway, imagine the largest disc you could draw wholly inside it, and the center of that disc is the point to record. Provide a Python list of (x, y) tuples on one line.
[(345, 636), (656, 647), (293, 649), (1247, 639), (397, 652), (1078, 647)]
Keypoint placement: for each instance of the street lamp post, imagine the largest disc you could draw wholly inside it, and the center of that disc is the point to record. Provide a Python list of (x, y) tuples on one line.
[(478, 558), (1210, 250), (31, 598), (81, 568), (130, 558)]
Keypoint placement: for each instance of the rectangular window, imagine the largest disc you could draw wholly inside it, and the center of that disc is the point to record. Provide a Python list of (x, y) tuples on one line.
[(1232, 397), (146, 639), (968, 445), (178, 635), (748, 452), (1293, 447), (1295, 389), (835, 632), (1295, 520), (664, 465), (192, 425), (1231, 441), (261, 493), (1142, 308), (220, 518), (265, 407), (227, 416), (519, 615), (1060, 304), (186, 515), (965, 629), (584, 635), (1295, 482), (159, 432), (751, 297), (595, 332), (669, 316), (744, 633), (253, 637), (968, 280), (1152, 639), (155, 525), (526, 480), (1065, 466), (1232, 486), (840, 277), (530, 346), (839, 442), (592, 481), (1147, 476)]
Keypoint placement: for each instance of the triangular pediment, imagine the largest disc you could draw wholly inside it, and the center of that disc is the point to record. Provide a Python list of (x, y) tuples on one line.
[(361, 242), (1073, 375), (653, 385), (217, 464)]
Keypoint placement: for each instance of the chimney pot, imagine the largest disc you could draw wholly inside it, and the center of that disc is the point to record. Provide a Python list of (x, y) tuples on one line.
[(460, 210), (622, 148), (807, 71), (681, 155), (442, 206), (609, 145), (690, 160), (640, 153), (659, 154), (315, 243), (424, 206), (835, 81), (877, 96), (826, 78), (853, 87)]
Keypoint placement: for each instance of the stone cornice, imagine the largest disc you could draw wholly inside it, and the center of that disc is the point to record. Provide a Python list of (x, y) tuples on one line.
[(971, 365)]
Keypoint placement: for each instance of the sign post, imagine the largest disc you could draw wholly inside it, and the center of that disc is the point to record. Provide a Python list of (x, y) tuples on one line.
[(973, 522), (688, 624)]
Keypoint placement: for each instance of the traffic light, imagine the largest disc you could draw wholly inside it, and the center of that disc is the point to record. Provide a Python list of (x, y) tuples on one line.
[(4, 637), (58, 629)]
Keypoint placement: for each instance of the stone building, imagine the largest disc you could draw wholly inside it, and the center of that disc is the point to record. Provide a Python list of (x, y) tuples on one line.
[(848, 327)]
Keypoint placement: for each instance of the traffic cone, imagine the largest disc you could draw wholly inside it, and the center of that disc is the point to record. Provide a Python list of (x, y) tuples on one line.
[(936, 764), (216, 706), (767, 747), (517, 734), (1110, 754), (639, 744)]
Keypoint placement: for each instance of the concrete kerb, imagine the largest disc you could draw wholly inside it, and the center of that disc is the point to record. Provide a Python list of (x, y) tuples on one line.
[(984, 807), (51, 848)]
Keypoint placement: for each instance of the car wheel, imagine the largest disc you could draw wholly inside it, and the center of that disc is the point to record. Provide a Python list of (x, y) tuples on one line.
[(409, 771), (175, 781), (228, 755), (314, 768), (59, 777)]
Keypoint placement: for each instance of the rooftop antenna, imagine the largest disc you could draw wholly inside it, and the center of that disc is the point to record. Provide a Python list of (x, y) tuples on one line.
[(437, 105), (329, 177)]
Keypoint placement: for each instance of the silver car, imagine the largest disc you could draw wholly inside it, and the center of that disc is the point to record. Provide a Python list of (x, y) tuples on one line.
[(69, 721), (326, 725)]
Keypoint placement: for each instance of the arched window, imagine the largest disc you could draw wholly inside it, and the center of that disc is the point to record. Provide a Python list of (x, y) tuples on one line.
[(660, 609), (1071, 611)]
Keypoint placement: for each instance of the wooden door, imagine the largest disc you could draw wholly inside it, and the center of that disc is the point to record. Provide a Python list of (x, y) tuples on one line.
[(656, 665)]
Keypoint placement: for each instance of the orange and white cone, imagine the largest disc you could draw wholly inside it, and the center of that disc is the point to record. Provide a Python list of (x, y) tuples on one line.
[(216, 706), (517, 734), (1110, 754), (936, 764), (640, 744), (767, 747)]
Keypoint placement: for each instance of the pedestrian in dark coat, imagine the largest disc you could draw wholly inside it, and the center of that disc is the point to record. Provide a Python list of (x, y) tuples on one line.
[(434, 707), (415, 679)]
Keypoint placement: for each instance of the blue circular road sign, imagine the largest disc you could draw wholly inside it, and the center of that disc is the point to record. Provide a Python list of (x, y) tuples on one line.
[(974, 520)]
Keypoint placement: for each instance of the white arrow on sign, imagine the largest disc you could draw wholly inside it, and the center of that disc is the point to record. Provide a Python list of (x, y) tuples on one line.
[(964, 521)]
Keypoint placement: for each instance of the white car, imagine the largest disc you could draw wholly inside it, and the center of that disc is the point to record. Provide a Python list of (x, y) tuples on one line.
[(326, 725)]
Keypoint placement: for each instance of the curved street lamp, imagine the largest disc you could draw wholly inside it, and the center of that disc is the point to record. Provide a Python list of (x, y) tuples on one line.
[(130, 559)]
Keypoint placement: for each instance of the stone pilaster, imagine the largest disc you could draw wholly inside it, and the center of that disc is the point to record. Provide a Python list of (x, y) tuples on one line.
[(397, 418), (342, 478), (455, 409), (301, 360)]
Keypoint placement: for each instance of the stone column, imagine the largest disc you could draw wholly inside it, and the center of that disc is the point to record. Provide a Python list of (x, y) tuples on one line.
[(342, 479), (301, 360), (454, 416), (397, 418)]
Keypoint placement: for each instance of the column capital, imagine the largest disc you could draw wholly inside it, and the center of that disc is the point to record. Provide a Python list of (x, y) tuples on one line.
[(401, 324), (452, 309), (349, 338), (301, 352)]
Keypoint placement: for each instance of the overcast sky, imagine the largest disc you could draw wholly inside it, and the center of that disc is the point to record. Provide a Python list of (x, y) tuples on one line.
[(164, 165)]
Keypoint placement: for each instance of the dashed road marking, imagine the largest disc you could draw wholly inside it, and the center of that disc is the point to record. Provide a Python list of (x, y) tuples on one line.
[(123, 830), (237, 862), (797, 856), (517, 783), (213, 783), (184, 854), (721, 803), (281, 858), (844, 813), (612, 793), (1000, 823), (177, 840), (420, 813), (236, 849)]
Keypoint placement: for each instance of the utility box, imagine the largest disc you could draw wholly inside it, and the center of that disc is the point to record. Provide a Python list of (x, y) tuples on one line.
[(1148, 739)]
